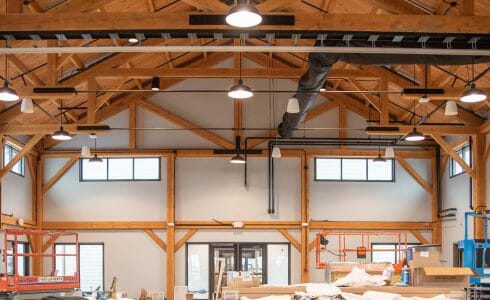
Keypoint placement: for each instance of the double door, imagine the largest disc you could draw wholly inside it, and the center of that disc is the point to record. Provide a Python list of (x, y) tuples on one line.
[(244, 257)]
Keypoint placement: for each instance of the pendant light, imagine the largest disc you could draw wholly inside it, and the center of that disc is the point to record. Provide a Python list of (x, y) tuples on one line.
[(293, 106), (414, 136), (240, 90), (243, 15), (237, 159), (27, 106), (95, 158), (85, 151), (451, 108), (7, 94), (61, 134), (389, 152), (473, 95), (379, 159), (276, 152)]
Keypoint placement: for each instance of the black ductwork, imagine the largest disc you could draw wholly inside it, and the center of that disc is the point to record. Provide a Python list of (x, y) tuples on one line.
[(320, 65)]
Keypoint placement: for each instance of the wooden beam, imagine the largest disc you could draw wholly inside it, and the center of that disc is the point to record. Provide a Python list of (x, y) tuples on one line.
[(190, 72), (59, 174), (14, 6), (384, 116), (151, 6), (92, 101), (436, 221), (104, 225), (426, 130), (419, 236), (82, 6), (170, 201), (49, 243), (208, 5), (447, 148), (46, 129), (290, 238), (185, 124), (14, 221), (468, 8), (274, 5), (369, 225), (415, 175), (156, 239), (132, 21), (399, 7), (132, 126), (184, 239), (32, 142)]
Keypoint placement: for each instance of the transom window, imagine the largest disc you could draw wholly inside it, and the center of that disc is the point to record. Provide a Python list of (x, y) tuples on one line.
[(9, 152), (353, 169), (120, 169), (454, 167)]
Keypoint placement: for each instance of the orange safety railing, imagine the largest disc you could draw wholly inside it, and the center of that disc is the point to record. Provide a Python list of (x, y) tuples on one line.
[(365, 247), (38, 282)]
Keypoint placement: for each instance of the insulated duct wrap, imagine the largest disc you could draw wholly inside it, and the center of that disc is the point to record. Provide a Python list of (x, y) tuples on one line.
[(320, 65)]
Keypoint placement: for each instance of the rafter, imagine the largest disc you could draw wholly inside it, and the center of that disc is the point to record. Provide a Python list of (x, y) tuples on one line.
[(185, 124)]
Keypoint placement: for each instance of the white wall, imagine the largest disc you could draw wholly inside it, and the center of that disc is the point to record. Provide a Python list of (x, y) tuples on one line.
[(16, 195), (70, 199), (402, 200)]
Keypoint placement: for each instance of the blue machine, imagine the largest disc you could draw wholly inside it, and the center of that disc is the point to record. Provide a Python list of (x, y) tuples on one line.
[(476, 252)]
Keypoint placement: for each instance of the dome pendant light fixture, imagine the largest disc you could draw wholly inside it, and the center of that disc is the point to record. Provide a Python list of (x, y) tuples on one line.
[(61, 134), (95, 158), (237, 159), (243, 15), (414, 136), (240, 90), (7, 94), (473, 95)]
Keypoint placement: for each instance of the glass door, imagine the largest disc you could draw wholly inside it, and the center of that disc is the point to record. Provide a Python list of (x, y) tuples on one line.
[(252, 259), (225, 254)]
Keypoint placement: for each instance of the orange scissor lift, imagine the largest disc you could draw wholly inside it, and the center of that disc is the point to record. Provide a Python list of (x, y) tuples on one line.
[(365, 241), (16, 283)]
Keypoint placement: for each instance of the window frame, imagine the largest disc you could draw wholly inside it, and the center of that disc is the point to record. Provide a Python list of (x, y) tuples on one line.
[(26, 258), (393, 173), (107, 179), (22, 160), (460, 151), (78, 262)]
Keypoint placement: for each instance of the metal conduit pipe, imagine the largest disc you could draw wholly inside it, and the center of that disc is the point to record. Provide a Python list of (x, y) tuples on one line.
[(320, 64)]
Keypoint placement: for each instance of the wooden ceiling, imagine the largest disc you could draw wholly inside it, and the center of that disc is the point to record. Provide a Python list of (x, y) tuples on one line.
[(83, 70)]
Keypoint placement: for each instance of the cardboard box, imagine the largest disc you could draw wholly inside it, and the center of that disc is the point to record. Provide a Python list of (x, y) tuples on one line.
[(441, 277), (240, 282), (425, 259)]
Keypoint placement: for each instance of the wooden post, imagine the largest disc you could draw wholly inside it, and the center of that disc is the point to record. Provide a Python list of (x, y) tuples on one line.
[(304, 218), (37, 267), (479, 180), (92, 101), (468, 8), (436, 222), (132, 126), (384, 117), (170, 226)]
